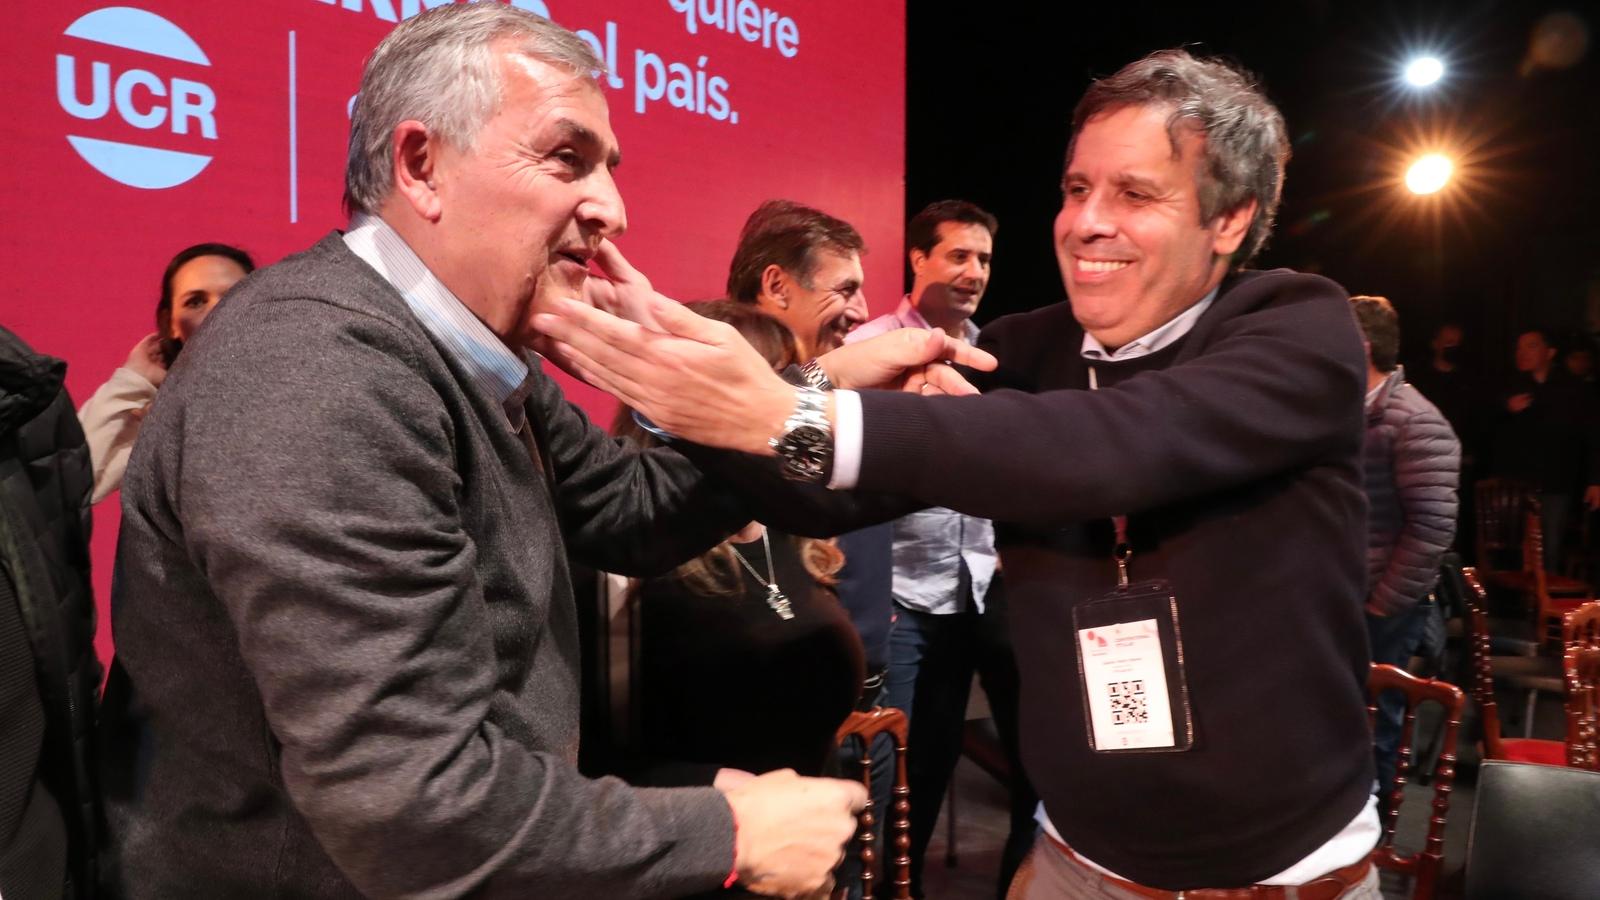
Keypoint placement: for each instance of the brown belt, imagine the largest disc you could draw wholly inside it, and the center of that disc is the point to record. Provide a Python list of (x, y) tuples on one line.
[(1327, 887)]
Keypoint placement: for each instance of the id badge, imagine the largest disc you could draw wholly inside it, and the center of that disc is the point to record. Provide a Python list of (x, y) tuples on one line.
[(1130, 670)]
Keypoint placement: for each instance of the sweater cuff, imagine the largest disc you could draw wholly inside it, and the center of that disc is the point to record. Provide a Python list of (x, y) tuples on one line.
[(895, 430), (702, 823), (127, 385)]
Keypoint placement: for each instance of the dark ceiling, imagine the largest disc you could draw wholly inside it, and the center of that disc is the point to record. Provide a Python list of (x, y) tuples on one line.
[(1513, 243)]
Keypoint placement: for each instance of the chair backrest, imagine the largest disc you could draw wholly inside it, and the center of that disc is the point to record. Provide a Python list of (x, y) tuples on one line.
[(1533, 833), (1499, 510), (1582, 625), (1422, 865), (866, 726), (1581, 667), (1481, 684), (1533, 543)]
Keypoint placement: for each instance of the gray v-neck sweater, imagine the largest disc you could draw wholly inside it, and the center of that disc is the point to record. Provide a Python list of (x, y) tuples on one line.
[(347, 650)]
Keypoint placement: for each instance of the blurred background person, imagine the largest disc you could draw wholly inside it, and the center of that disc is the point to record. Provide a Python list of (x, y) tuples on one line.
[(1580, 364), (1411, 465), (1548, 435), (49, 808), (194, 281)]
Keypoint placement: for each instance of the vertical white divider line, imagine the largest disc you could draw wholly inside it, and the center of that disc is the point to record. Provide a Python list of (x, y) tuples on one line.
[(294, 162)]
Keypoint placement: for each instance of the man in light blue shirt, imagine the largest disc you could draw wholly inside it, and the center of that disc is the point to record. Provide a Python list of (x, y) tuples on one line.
[(946, 624)]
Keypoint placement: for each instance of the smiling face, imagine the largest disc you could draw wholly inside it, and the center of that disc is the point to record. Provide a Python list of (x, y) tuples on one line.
[(1132, 247), (822, 313), (520, 213), (197, 285), (948, 281)]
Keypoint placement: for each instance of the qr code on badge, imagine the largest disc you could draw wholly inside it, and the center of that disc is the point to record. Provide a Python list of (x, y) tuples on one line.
[(1128, 705)]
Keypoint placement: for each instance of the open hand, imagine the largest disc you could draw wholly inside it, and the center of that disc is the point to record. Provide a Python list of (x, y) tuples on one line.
[(696, 378)]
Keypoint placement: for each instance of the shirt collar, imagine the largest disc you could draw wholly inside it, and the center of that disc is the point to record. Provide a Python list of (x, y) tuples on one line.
[(911, 317), (488, 361), (1162, 337)]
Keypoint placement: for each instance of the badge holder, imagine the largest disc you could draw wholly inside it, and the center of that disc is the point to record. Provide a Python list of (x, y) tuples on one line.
[(1131, 670)]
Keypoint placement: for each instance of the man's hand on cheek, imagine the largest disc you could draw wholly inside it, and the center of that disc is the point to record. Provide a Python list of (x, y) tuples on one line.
[(696, 378), (620, 289)]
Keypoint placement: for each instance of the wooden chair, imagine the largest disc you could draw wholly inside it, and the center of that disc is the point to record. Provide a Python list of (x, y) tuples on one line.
[(1423, 865), (1528, 673), (1552, 596), (866, 726), (1581, 666), (1498, 513)]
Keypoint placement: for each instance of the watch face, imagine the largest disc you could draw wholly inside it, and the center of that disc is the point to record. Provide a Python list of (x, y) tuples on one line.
[(806, 436), (806, 450)]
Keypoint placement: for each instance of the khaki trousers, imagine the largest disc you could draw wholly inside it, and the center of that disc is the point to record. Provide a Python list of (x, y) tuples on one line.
[(1048, 874)]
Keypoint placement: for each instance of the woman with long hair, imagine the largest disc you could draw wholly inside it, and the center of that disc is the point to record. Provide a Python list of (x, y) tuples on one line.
[(193, 282), (746, 661)]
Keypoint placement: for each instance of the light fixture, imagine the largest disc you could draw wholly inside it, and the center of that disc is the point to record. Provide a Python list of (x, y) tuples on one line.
[(1424, 71), (1429, 173)]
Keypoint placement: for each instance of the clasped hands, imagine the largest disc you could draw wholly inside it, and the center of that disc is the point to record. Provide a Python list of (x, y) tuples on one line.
[(700, 380)]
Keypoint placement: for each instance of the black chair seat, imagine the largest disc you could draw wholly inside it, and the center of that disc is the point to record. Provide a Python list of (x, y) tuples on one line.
[(1535, 834)]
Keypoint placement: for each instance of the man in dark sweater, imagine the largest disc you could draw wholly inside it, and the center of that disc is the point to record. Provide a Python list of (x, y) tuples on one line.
[(1199, 423)]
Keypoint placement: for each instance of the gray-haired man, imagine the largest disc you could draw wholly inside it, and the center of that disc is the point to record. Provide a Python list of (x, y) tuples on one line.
[(347, 651), (1179, 444)]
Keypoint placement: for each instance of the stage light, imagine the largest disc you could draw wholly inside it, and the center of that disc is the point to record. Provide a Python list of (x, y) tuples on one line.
[(1429, 174), (1424, 71)]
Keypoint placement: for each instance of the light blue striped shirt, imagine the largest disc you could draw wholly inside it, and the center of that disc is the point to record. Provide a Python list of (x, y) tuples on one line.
[(499, 370), (931, 546)]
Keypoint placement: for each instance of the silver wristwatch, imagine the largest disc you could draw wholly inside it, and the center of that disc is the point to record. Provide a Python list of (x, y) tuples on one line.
[(805, 447)]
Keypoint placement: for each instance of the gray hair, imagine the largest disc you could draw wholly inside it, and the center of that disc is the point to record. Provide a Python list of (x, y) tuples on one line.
[(1246, 145), (439, 68)]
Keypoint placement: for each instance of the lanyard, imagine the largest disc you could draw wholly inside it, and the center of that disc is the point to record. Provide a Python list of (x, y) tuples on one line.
[(1123, 551)]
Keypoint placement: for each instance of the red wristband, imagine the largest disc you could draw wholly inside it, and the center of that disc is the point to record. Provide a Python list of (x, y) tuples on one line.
[(733, 872)]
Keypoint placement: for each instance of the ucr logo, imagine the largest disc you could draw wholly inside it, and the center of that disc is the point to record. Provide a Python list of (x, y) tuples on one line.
[(188, 104)]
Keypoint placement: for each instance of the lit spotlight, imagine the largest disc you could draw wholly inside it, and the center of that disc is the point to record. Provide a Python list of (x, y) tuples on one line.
[(1424, 71), (1429, 174)]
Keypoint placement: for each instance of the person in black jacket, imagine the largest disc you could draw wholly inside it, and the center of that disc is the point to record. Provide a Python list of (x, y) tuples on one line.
[(1548, 434), (1411, 466), (48, 670)]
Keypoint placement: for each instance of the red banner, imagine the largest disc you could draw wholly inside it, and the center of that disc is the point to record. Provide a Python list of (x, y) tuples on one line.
[(138, 130)]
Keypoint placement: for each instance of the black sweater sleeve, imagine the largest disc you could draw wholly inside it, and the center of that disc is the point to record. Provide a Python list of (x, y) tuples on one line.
[(1268, 391)]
